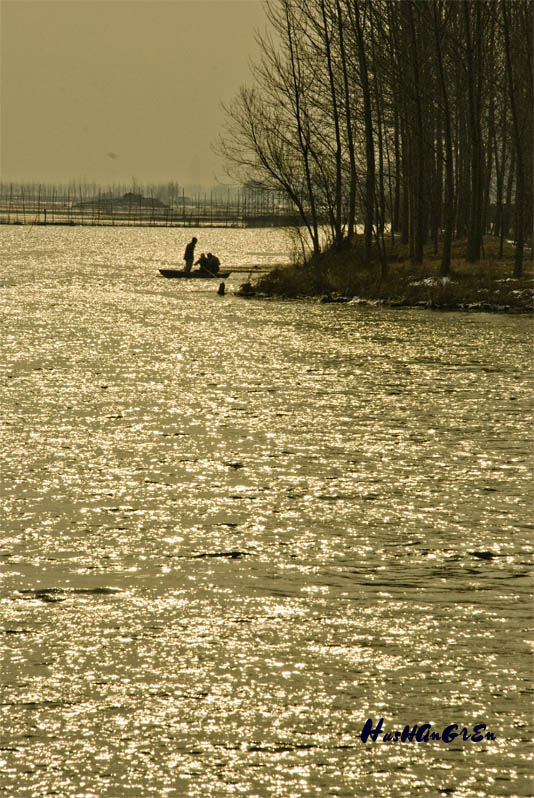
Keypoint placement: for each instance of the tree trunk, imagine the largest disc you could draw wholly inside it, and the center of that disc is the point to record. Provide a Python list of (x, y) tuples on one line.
[(338, 233), (419, 142), (448, 204), (519, 232), (473, 64), (351, 216), (369, 142)]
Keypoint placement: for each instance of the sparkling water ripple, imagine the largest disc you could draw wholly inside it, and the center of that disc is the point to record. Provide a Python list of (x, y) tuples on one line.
[(234, 530)]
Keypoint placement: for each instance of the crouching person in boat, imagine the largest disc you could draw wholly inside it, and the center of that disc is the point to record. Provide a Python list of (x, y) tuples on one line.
[(208, 264), (202, 263), (213, 264)]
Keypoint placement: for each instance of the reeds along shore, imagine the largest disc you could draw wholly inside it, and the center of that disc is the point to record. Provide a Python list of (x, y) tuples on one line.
[(30, 204)]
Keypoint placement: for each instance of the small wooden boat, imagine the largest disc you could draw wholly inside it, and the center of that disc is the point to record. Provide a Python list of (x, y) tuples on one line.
[(198, 275)]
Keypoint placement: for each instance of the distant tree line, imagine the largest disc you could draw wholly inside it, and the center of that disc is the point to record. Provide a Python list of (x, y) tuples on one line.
[(412, 117)]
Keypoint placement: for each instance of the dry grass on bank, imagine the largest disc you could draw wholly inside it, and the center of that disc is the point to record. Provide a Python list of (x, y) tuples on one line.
[(486, 285)]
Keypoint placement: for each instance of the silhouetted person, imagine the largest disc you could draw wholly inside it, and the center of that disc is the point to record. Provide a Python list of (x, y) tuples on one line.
[(213, 263), (189, 255), (202, 262)]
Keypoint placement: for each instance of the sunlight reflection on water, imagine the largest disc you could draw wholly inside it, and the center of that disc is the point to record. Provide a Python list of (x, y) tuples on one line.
[(233, 530)]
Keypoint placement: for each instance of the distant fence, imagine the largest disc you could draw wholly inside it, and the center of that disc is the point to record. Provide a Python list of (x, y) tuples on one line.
[(39, 205)]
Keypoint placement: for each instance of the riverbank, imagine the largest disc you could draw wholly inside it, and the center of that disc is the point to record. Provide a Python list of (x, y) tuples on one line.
[(342, 276)]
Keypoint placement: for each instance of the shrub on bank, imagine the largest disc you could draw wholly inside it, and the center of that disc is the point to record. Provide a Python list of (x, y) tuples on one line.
[(291, 282)]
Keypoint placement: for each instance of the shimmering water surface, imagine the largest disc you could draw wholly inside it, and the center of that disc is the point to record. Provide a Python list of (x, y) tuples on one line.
[(234, 530)]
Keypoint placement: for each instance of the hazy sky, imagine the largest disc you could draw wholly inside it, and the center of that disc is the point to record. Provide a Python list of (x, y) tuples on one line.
[(109, 90)]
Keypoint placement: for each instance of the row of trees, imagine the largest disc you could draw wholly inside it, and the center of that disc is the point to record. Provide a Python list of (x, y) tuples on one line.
[(413, 117)]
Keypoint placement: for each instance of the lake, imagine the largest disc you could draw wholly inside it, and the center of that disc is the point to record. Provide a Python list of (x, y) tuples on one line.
[(235, 530)]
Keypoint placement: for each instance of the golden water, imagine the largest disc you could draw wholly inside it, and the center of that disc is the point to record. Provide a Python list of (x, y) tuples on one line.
[(234, 530)]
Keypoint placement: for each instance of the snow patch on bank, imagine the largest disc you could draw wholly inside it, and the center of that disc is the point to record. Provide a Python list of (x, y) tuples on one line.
[(432, 281)]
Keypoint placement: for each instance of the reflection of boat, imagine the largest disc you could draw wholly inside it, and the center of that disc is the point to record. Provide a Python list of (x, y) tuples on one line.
[(199, 275)]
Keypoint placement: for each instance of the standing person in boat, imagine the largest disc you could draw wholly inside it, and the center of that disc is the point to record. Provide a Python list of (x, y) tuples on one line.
[(189, 255)]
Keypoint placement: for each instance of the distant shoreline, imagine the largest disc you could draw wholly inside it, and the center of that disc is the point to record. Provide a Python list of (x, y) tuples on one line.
[(125, 223), (31, 207)]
